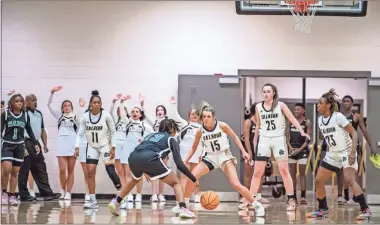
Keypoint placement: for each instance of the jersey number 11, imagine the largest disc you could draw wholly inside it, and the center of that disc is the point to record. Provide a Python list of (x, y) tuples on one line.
[(95, 138)]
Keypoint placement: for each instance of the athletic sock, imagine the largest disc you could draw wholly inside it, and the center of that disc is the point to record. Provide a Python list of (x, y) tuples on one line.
[(303, 194), (182, 205), (322, 203), (119, 199), (291, 197), (362, 201), (346, 194), (4, 190)]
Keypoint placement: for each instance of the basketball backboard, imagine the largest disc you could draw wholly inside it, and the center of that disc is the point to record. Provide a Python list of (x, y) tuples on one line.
[(324, 8)]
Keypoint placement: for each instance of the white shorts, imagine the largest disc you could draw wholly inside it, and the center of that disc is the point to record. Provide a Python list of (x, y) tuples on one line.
[(185, 152), (215, 161), (82, 152), (66, 145), (94, 154), (335, 161), (128, 148), (302, 161), (268, 145), (119, 148)]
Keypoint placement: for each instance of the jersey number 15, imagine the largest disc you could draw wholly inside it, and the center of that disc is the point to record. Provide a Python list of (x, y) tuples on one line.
[(215, 145)]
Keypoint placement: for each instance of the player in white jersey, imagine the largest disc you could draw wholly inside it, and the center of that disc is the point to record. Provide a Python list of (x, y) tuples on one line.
[(67, 132), (99, 129), (342, 139), (213, 135), (270, 125)]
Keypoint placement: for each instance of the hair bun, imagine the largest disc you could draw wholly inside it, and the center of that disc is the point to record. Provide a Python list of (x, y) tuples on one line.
[(94, 92)]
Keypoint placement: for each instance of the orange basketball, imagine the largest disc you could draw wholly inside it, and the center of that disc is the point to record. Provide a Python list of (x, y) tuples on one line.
[(210, 200)]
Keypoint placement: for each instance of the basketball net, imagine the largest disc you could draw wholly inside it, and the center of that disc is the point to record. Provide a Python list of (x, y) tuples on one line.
[(303, 12)]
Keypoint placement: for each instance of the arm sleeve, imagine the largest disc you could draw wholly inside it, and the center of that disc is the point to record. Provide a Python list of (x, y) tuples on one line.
[(111, 127), (29, 130), (174, 147), (55, 113), (341, 120), (82, 125), (2, 122)]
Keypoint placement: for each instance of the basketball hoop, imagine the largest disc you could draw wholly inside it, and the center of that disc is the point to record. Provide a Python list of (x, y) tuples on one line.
[(303, 12)]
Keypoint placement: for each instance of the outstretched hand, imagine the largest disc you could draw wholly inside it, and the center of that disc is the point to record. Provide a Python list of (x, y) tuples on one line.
[(81, 102), (55, 89), (172, 100), (117, 97), (127, 97), (11, 92), (141, 100)]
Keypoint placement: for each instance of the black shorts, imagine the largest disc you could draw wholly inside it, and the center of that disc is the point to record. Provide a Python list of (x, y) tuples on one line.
[(13, 153), (147, 162)]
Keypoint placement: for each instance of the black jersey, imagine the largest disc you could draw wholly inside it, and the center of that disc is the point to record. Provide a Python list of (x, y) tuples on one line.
[(296, 139), (13, 127), (156, 142), (354, 124)]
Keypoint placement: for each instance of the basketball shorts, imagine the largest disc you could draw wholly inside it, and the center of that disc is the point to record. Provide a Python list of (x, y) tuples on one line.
[(66, 145), (335, 161), (300, 158), (94, 154), (13, 153), (215, 161), (268, 145), (147, 162)]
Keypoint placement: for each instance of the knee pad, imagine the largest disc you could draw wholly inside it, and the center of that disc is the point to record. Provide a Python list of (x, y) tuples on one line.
[(113, 176)]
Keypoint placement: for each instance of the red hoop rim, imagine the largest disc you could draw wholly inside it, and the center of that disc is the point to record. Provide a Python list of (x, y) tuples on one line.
[(301, 5)]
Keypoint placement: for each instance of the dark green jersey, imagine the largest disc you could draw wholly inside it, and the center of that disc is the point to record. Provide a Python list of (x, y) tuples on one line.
[(156, 142), (13, 127)]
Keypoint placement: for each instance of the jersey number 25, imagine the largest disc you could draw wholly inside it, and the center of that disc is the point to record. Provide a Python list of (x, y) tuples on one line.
[(270, 125)]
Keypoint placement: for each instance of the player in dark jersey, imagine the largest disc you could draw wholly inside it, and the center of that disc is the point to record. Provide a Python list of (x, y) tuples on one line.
[(299, 151), (356, 121), (147, 159), (249, 133), (14, 122)]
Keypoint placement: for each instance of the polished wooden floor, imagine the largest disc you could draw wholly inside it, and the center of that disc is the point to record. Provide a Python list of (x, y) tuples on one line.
[(66, 212)]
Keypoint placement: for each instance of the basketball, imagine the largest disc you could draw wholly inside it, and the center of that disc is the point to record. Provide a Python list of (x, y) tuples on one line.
[(210, 200)]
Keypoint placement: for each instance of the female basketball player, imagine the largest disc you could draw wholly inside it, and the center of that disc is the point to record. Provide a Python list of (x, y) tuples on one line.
[(97, 125), (299, 151), (249, 133), (270, 122), (186, 138), (337, 131), (135, 132), (14, 122), (213, 134), (67, 132), (150, 153)]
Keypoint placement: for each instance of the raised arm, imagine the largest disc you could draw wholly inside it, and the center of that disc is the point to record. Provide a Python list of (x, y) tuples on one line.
[(148, 118), (173, 110), (112, 129), (56, 114), (174, 147), (197, 138), (123, 109)]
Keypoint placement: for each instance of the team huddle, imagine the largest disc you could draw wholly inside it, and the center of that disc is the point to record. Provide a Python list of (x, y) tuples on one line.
[(125, 142)]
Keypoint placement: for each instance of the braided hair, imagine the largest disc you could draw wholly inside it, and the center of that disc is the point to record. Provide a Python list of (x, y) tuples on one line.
[(330, 97), (12, 100), (168, 125)]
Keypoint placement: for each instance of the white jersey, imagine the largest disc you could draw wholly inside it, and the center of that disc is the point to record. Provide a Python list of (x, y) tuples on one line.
[(97, 131), (121, 129), (135, 131), (67, 125), (272, 122), (333, 131), (214, 140), (187, 136)]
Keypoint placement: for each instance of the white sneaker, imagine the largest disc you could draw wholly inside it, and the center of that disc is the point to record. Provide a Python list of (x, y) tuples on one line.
[(241, 200), (13, 200), (113, 206), (86, 197), (161, 198), (31, 193), (259, 208), (197, 198), (291, 205), (123, 204), (154, 198), (138, 198), (176, 209), (67, 196), (185, 213), (62, 195), (341, 201), (129, 198), (92, 204)]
